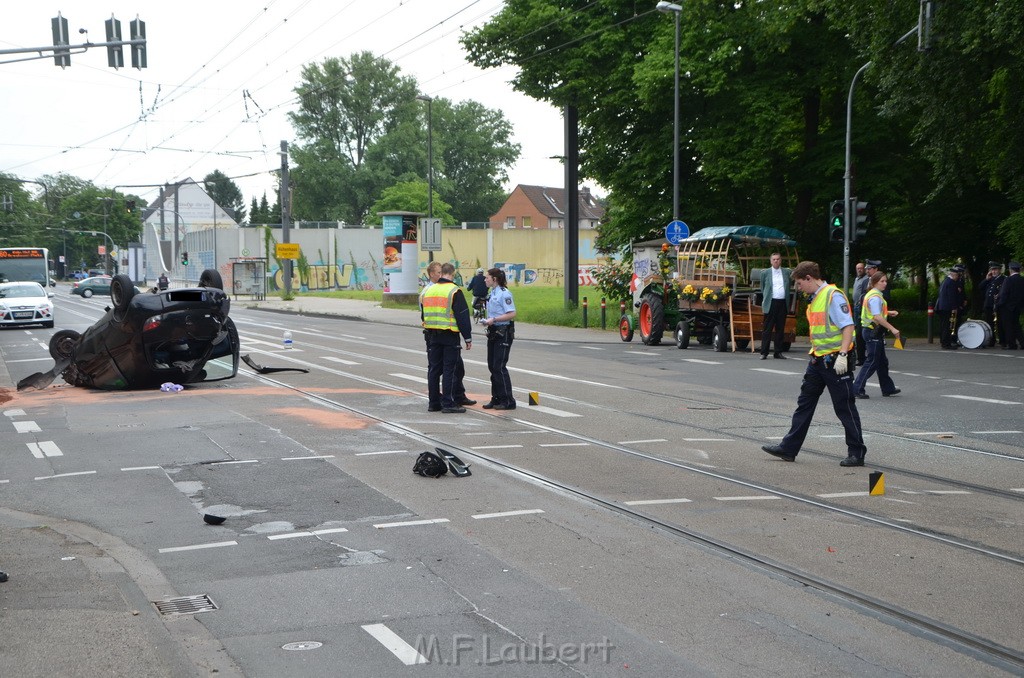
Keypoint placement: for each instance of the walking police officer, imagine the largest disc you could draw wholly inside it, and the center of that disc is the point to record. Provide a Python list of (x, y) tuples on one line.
[(831, 325)]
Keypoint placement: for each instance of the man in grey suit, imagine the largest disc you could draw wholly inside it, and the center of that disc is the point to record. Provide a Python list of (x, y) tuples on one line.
[(776, 291)]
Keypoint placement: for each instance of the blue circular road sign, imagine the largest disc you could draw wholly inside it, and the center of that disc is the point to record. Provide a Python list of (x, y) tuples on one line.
[(677, 231)]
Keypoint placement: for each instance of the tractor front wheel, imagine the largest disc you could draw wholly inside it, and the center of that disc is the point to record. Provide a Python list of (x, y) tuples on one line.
[(625, 328)]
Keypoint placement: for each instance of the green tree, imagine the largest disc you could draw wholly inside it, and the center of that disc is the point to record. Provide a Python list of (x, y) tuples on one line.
[(226, 194), (411, 196)]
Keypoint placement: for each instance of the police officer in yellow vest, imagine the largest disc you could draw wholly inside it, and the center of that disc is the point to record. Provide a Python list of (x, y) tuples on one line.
[(874, 321), (445, 315), (830, 366)]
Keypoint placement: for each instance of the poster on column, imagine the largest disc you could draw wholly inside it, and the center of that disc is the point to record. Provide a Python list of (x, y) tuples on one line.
[(393, 233)]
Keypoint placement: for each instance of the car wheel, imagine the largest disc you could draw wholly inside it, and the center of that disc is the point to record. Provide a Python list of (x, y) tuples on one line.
[(211, 278), (683, 334), (86, 293), (63, 343), (49, 324), (625, 328), (121, 292)]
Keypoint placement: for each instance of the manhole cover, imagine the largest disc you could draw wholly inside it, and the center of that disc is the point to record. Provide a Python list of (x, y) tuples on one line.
[(186, 605), (302, 645)]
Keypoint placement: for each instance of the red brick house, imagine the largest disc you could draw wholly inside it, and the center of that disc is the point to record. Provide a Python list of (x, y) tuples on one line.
[(544, 207)]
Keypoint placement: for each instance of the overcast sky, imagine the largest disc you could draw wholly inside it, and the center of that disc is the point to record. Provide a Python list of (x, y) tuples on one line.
[(219, 85)]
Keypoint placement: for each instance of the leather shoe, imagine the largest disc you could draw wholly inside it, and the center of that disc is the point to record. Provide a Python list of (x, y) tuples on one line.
[(777, 451), (3, 577), (886, 395), (489, 405), (764, 356), (779, 356), (467, 401), (861, 396), (433, 408), (505, 406), (852, 461), (453, 410)]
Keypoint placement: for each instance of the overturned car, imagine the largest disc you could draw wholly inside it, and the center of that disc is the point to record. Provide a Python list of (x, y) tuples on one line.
[(149, 338)]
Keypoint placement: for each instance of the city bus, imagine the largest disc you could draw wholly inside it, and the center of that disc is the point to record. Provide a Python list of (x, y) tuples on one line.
[(25, 264)]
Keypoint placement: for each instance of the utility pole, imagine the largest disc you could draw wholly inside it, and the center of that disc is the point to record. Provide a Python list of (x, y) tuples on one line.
[(286, 264)]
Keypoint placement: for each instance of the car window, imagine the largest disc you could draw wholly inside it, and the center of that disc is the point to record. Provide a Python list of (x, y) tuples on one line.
[(16, 291)]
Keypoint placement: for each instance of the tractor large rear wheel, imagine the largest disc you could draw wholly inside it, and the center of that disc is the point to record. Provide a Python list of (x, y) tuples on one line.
[(652, 319)]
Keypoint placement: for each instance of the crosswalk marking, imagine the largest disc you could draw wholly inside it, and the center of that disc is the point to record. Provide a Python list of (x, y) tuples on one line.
[(552, 411), (46, 448), (339, 360), (26, 427), (405, 652)]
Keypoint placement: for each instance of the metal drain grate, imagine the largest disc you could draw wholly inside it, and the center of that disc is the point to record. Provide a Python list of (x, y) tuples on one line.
[(186, 605)]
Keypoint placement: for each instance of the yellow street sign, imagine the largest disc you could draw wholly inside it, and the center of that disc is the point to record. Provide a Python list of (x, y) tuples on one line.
[(287, 250)]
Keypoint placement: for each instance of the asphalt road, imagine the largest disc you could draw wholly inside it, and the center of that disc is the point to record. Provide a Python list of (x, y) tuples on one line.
[(628, 525)]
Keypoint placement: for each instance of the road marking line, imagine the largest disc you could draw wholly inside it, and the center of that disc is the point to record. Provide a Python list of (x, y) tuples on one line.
[(34, 449), (836, 435), (289, 535), (196, 547), (66, 475), (329, 530), (30, 360), (1017, 489), (932, 433), (931, 377), (637, 442), (702, 362), (339, 360), (494, 447), (26, 427), (834, 495), (14, 413), (549, 410), (504, 514), (234, 461), (367, 454), (410, 377), (592, 348), (984, 400), (4, 481), (315, 456), (548, 343), (765, 496), (47, 447), (563, 444), (640, 352), (645, 502), (769, 371), (139, 468), (910, 374), (993, 432), (1005, 386), (410, 523), (708, 440), (899, 501), (405, 652), (947, 492)]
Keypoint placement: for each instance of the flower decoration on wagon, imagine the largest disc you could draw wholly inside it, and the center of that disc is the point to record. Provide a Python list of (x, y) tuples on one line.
[(710, 296), (689, 293), (666, 260)]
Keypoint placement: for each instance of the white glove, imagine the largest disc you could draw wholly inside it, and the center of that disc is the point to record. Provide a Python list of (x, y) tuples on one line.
[(841, 365)]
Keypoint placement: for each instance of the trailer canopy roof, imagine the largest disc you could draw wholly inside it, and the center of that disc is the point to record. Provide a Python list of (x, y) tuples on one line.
[(748, 235)]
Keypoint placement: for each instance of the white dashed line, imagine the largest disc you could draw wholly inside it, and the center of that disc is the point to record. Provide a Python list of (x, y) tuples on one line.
[(647, 502), (234, 461), (993, 401), (315, 456), (638, 442), (932, 433), (993, 432), (14, 413), (197, 547), (411, 523), (368, 454), (947, 492), (410, 377), (647, 353), (66, 475), (549, 410), (306, 533), (43, 448), (563, 445), (504, 514), (702, 362), (140, 468), (755, 498), (592, 348), (765, 369), (26, 427), (405, 652), (339, 360), (835, 495), (495, 447), (707, 440)]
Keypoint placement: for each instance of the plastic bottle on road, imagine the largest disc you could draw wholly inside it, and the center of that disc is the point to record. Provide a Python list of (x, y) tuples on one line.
[(287, 339)]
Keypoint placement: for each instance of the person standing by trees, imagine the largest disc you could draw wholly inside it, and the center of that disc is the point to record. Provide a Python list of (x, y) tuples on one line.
[(874, 321), (951, 299), (501, 330), (776, 295), (990, 287), (1011, 303)]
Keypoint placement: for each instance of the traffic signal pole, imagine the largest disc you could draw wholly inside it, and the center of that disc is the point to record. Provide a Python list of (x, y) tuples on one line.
[(847, 180)]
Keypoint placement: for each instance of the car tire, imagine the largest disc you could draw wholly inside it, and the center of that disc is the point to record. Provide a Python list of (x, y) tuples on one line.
[(63, 343), (121, 292), (211, 278), (86, 293), (720, 338), (683, 334), (49, 324)]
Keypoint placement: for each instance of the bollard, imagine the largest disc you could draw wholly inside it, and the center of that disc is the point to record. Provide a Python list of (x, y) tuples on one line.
[(287, 339), (584, 313), (931, 312), (604, 319), (876, 483), (534, 398)]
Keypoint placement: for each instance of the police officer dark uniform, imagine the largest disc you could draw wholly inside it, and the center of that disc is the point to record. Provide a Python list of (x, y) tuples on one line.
[(990, 287), (860, 288), (501, 329), (951, 299), (162, 282), (445, 315), (1009, 306), (831, 328)]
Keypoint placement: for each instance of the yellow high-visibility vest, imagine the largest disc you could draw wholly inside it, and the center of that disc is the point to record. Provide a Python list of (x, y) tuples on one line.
[(826, 337), (436, 301), (865, 314)]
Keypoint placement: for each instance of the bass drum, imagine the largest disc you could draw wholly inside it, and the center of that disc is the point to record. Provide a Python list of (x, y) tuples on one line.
[(974, 334)]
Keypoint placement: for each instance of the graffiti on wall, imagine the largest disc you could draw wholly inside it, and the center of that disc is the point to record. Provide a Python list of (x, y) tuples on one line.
[(326, 277), (521, 274)]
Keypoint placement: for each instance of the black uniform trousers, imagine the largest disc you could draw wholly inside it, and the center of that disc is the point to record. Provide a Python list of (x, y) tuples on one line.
[(1009, 317), (857, 338), (444, 355), (774, 320), (499, 344), (947, 333), (820, 374)]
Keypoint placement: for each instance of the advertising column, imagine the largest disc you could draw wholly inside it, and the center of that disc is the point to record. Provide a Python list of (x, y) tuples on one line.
[(401, 259)]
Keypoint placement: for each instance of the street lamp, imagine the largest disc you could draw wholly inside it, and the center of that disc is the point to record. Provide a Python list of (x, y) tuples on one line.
[(430, 162), (676, 9)]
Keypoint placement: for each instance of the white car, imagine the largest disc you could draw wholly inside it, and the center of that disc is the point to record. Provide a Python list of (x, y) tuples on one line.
[(25, 303)]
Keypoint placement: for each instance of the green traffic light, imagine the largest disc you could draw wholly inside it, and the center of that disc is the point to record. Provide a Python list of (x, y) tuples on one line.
[(837, 222)]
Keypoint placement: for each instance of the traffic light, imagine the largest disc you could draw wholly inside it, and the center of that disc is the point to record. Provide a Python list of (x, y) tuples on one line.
[(138, 32), (835, 221), (861, 212), (115, 57), (184, 258), (129, 206)]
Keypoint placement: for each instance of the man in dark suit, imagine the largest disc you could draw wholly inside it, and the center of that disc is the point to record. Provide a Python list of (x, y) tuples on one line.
[(776, 295), (990, 287), (951, 300), (1009, 306)]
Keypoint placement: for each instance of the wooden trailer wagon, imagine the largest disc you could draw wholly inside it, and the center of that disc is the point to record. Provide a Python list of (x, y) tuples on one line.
[(708, 288)]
